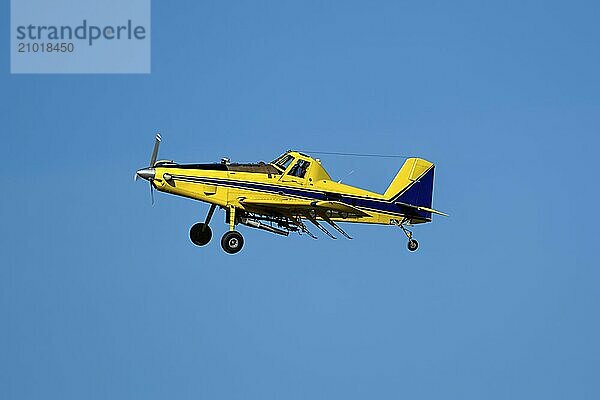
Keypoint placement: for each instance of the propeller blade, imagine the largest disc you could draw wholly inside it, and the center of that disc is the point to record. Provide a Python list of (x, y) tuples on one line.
[(155, 150), (148, 173)]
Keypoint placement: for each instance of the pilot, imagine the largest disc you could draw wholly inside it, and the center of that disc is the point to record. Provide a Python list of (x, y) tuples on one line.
[(294, 170), (302, 169)]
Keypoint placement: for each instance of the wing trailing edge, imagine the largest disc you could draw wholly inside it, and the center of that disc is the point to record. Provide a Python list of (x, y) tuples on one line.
[(305, 205)]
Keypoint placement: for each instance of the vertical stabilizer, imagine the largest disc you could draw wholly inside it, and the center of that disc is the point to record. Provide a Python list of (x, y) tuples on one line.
[(413, 184)]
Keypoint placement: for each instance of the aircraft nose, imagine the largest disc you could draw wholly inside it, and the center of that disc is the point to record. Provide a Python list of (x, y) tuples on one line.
[(146, 173)]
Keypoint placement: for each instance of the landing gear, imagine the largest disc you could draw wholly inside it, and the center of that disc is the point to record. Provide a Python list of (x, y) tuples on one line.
[(232, 242), (200, 234), (412, 244)]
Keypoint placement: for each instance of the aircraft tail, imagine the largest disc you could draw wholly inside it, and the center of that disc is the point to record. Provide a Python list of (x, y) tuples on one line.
[(413, 185)]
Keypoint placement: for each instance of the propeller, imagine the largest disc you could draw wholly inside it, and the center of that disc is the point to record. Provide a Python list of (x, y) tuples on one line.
[(155, 149), (148, 173)]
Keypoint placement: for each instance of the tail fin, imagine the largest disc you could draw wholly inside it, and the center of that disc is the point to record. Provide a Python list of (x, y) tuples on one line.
[(413, 184)]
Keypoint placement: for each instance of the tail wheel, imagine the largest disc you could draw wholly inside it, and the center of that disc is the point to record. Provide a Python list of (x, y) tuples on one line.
[(232, 242), (200, 234), (412, 244)]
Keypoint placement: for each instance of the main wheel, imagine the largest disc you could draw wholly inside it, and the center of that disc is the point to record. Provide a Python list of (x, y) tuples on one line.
[(232, 242), (200, 234), (412, 244)]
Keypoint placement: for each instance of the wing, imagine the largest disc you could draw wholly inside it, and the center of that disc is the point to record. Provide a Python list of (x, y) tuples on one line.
[(340, 208), (296, 207)]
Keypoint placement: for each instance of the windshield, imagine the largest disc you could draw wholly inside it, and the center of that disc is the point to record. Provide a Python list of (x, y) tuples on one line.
[(283, 162)]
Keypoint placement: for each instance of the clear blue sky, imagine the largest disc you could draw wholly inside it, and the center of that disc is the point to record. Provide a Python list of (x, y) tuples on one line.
[(103, 296)]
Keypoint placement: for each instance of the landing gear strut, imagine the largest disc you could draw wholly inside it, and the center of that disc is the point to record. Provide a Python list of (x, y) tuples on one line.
[(200, 233), (412, 243), (232, 241)]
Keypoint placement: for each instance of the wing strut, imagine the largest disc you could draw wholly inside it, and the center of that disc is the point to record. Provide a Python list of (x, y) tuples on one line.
[(335, 226), (318, 225)]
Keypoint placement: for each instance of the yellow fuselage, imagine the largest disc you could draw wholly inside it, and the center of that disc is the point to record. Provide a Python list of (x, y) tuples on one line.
[(228, 186)]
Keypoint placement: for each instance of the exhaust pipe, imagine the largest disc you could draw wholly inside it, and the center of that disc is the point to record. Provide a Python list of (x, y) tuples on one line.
[(260, 225)]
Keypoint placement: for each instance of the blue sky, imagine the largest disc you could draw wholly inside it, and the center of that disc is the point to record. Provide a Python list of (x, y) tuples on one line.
[(103, 296)]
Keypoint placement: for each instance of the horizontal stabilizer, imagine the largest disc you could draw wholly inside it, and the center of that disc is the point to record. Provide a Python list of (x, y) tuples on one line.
[(426, 209)]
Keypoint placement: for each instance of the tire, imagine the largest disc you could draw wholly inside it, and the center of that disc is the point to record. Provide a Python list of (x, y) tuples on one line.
[(232, 242), (200, 234), (413, 245)]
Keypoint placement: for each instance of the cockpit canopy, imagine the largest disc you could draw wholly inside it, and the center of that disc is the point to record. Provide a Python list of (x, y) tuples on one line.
[(300, 166)]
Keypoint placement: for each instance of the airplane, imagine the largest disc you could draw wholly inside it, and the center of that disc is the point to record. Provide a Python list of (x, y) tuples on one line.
[(282, 196)]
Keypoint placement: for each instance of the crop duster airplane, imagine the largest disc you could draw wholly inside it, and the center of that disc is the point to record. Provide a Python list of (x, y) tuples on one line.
[(284, 195)]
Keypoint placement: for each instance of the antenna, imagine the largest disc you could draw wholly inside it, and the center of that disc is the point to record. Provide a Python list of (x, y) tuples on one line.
[(347, 175)]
